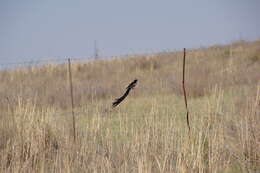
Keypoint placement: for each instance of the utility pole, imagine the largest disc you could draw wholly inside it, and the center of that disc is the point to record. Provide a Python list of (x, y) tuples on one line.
[(96, 51)]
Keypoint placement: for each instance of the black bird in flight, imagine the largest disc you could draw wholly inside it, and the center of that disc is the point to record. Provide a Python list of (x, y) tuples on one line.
[(128, 88)]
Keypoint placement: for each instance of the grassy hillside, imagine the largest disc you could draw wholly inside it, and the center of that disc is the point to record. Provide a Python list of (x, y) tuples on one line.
[(147, 132)]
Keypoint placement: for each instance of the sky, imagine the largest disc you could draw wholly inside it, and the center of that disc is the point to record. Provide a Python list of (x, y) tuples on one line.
[(33, 30)]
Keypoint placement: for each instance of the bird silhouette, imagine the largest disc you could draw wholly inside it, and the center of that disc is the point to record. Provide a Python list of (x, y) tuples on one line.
[(128, 89)]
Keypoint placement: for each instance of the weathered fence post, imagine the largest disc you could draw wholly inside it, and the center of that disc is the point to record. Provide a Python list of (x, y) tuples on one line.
[(184, 91), (72, 101)]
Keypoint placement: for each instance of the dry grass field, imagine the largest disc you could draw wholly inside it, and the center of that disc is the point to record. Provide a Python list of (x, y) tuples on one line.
[(147, 132)]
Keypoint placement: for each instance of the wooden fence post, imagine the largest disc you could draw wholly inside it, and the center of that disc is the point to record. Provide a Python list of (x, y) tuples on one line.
[(72, 101), (184, 91)]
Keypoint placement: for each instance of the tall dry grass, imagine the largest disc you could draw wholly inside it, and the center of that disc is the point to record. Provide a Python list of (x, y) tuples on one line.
[(148, 132)]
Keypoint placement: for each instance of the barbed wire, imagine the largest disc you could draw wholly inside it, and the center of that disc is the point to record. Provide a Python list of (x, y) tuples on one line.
[(42, 61)]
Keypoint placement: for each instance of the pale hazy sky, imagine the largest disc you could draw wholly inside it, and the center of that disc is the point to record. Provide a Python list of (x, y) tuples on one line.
[(34, 29)]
